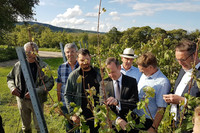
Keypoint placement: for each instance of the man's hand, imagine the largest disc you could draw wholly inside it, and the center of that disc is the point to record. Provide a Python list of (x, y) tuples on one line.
[(111, 101), (173, 98), (27, 95), (75, 119), (122, 123), (16, 92)]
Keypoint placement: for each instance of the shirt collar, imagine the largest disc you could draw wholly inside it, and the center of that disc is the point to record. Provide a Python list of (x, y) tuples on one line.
[(128, 69), (119, 79), (154, 75), (190, 71), (76, 64), (197, 65)]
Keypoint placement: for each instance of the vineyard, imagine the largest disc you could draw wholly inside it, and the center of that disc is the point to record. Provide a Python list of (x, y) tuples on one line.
[(142, 39), (101, 46)]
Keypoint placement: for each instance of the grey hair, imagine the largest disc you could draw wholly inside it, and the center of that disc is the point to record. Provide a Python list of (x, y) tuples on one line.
[(28, 44), (70, 45)]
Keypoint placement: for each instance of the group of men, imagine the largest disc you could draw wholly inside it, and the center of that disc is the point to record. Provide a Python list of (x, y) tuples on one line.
[(123, 87)]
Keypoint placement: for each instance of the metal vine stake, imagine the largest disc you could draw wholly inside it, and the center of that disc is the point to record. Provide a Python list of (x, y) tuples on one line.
[(191, 81), (36, 61), (59, 111)]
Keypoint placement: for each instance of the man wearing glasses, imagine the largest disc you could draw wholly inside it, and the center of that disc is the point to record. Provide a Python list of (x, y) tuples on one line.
[(185, 55)]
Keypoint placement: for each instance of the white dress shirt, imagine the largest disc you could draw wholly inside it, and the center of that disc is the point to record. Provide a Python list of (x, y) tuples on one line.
[(115, 87), (181, 86)]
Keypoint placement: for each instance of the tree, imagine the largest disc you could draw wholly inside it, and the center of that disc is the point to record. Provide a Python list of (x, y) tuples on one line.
[(46, 39), (194, 35), (10, 10), (113, 36), (177, 34), (159, 33)]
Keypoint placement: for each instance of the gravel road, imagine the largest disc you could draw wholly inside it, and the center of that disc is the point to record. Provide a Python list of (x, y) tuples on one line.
[(43, 54)]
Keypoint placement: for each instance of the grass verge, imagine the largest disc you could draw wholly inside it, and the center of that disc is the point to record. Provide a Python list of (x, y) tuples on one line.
[(9, 110)]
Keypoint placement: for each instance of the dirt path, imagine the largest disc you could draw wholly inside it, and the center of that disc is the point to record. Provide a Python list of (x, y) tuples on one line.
[(43, 54)]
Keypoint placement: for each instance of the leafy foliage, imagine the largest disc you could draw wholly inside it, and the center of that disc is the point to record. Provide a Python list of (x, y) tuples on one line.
[(11, 10), (7, 53)]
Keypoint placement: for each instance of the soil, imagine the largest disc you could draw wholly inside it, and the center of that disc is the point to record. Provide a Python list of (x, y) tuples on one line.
[(42, 54)]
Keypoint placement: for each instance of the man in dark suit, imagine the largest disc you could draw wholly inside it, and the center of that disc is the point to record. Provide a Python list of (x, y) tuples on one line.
[(185, 55), (122, 91)]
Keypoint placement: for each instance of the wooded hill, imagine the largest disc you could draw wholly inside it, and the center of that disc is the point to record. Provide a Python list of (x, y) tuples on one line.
[(56, 29)]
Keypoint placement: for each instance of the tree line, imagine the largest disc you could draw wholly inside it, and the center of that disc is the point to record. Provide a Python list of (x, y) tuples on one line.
[(132, 37), (142, 39)]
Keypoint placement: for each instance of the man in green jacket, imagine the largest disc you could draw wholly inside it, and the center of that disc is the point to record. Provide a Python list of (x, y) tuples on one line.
[(18, 87), (75, 90)]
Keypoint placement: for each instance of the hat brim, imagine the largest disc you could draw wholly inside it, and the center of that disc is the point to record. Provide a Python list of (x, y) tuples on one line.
[(128, 56)]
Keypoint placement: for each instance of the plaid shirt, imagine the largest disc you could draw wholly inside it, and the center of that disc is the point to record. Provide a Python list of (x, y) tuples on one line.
[(63, 72)]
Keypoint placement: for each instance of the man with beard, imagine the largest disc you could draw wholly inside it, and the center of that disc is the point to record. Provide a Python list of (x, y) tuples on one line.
[(75, 91)]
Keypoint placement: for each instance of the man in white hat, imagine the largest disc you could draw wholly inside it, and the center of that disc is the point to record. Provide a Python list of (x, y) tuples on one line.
[(126, 67)]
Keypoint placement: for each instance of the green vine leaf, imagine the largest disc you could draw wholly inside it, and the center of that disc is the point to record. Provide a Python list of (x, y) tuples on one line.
[(149, 91), (79, 79), (72, 104), (47, 71)]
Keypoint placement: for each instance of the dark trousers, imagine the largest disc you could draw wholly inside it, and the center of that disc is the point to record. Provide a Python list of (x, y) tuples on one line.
[(148, 123), (1, 125)]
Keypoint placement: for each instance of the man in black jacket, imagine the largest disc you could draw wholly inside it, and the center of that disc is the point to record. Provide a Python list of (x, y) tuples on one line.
[(122, 91), (185, 55)]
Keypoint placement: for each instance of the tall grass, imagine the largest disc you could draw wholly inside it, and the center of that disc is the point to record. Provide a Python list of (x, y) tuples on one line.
[(9, 110)]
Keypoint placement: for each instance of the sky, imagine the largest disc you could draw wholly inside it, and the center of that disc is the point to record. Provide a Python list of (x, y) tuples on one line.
[(122, 14)]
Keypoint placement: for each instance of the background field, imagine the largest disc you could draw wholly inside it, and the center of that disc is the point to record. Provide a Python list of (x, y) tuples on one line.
[(8, 105)]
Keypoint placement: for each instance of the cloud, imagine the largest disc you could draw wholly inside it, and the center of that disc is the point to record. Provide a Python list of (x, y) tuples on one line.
[(91, 14), (113, 13), (46, 3), (149, 9), (121, 1), (115, 16), (42, 3), (71, 12), (103, 27), (171, 26), (167, 6), (70, 18)]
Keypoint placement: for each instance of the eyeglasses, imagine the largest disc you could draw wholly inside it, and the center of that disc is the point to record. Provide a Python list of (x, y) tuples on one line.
[(182, 60)]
